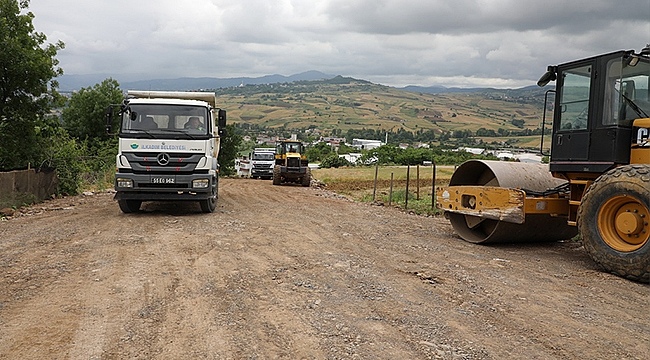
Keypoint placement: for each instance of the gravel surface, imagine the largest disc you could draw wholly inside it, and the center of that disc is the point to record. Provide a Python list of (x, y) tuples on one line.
[(297, 273)]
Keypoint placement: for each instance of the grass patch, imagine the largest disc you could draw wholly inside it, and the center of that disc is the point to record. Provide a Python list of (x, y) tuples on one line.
[(359, 182), (16, 200)]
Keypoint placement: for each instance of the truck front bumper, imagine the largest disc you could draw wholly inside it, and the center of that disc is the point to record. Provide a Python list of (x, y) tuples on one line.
[(261, 172), (164, 187)]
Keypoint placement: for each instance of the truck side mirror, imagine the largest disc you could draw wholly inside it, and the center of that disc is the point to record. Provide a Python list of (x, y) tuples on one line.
[(109, 118), (221, 121)]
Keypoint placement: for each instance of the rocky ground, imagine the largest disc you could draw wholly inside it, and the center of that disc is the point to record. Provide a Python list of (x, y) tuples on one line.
[(297, 273)]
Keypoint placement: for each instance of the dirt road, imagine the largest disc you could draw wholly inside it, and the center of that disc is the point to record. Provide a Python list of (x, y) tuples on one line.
[(297, 273)]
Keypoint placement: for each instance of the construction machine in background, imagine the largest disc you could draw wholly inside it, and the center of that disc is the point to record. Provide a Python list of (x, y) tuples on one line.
[(597, 182), (291, 163), (262, 162)]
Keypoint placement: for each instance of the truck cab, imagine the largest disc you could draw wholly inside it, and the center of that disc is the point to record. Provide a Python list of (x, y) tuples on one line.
[(262, 162), (168, 148)]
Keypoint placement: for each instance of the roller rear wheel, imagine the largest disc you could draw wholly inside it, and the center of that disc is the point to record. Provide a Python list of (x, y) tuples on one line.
[(613, 219)]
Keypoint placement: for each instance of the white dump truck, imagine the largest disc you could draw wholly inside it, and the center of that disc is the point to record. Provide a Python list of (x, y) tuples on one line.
[(262, 161), (168, 148)]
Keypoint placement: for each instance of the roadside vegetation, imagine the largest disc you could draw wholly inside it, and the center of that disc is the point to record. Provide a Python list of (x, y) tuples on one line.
[(358, 183)]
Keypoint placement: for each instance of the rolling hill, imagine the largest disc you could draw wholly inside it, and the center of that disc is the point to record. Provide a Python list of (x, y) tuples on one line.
[(346, 103)]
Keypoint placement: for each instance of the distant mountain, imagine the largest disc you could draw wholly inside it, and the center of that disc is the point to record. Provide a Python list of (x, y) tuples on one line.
[(69, 83), (442, 89), (446, 90), (76, 82)]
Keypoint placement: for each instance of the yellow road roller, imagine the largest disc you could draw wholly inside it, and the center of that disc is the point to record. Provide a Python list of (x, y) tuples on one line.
[(597, 182)]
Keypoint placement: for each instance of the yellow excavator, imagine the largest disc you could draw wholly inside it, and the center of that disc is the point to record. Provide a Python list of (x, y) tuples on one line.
[(597, 182), (291, 164)]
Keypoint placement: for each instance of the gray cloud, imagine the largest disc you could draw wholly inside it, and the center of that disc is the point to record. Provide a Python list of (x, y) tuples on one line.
[(501, 43)]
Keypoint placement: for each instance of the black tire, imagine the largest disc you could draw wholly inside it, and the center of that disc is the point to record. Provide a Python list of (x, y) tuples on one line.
[(277, 178), (613, 221), (209, 205), (306, 179), (129, 206)]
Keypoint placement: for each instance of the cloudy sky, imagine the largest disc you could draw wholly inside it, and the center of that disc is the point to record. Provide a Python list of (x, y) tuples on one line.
[(466, 43)]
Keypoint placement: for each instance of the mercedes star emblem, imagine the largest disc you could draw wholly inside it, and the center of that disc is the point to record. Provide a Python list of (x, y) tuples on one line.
[(163, 159)]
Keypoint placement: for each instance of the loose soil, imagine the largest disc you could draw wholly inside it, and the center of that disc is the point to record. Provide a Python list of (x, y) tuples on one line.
[(297, 273)]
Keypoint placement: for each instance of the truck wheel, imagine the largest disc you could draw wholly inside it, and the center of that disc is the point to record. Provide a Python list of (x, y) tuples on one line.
[(277, 178), (208, 205), (129, 206), (306, 180), (613, 220)]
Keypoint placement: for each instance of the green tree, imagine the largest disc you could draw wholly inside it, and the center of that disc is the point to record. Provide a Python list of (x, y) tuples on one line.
[(83, 118), (63, 153), (84, 115), (27, 87), (385, 154), (334, 161), (318, 152), (230, 142)]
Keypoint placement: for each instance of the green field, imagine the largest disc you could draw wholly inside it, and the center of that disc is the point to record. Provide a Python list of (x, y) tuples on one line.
[(359, 184)]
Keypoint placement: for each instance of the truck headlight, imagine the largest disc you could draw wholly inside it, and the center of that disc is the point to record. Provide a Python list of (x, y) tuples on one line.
[(200, 183), (124, 183)]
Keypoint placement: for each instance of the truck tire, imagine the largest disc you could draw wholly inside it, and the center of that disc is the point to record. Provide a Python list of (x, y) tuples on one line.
[(209, 205), (306, 180), (613, 221), (129, 206), (277, 178)]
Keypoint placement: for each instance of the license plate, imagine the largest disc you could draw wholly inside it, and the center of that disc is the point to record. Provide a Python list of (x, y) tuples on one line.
[(162, 180)]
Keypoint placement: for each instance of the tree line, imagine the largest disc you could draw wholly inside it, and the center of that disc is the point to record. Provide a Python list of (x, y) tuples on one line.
[(41, 128)]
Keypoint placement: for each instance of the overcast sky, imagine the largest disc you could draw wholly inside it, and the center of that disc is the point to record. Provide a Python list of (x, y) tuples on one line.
[(467, 43)]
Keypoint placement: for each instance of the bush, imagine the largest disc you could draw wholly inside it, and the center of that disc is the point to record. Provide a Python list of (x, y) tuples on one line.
[(66, 155), (334, 161)]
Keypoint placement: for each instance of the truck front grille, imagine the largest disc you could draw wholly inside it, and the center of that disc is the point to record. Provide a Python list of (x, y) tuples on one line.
[(148, 163)]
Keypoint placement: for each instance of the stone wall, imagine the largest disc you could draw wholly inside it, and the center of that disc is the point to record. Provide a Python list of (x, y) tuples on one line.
[(16, 184)]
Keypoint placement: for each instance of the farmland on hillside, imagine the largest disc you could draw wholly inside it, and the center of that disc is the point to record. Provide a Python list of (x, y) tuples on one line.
[(356, 104)]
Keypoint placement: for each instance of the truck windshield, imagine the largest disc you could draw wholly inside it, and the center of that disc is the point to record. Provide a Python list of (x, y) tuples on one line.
[(165, 121), (263, 156)]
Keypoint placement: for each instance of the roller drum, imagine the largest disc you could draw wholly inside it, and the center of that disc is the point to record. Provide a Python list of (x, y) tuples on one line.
[(536, 228)]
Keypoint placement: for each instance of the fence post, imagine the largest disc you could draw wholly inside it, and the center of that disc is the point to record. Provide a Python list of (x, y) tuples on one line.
[(390, 193), (374, 189), (433, 185), (406, 201), (417, 183)]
